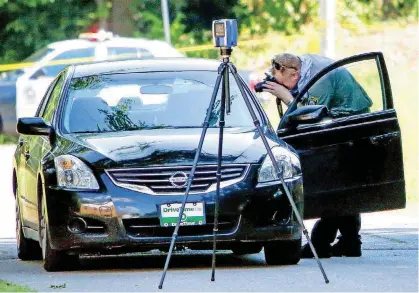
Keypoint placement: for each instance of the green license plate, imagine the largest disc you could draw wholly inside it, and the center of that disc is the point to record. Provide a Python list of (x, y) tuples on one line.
[(193, 214)]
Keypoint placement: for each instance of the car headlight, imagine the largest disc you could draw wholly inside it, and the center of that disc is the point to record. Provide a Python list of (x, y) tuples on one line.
[(73, 173), (286, 160)]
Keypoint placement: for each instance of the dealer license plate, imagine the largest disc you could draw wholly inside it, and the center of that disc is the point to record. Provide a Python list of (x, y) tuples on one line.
[(193, 214)]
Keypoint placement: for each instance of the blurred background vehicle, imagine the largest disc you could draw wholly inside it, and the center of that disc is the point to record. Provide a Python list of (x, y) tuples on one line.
[(7, 107), (21, 90), (31, 86)]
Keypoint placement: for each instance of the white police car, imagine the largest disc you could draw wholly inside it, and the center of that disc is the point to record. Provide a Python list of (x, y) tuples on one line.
[(34, 81)]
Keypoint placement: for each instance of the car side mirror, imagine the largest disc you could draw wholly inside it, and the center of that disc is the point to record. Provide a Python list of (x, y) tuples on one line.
[(307, 114), (33, 126)]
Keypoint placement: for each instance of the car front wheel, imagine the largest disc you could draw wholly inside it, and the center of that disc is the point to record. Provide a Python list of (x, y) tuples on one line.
[(283, 252), (54, 260)]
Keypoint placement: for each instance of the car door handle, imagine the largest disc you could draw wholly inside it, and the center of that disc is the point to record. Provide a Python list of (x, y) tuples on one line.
[(21, 141), (385, 138), (27, 155)]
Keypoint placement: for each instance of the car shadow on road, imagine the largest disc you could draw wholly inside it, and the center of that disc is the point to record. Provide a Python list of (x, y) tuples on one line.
[(180, 261)]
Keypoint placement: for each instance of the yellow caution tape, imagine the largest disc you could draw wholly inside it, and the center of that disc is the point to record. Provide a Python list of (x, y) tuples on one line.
[(81, 60), (320, 24)]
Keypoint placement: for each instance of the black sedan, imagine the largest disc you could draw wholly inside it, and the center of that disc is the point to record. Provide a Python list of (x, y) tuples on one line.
[(103, 166)]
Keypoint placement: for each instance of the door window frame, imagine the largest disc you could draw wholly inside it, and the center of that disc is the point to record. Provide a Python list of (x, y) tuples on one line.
[(387, 96), (45, 99)]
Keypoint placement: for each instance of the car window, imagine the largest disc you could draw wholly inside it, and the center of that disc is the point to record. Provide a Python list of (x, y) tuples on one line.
[(135, 101), (53, 70), (128, 53), (52, 103), (348, 90)]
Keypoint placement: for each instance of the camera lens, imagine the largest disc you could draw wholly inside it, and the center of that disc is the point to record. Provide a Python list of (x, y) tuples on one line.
[(259, 87)]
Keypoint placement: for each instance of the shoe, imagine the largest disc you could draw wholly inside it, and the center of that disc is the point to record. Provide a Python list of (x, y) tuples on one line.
[(322, 252), (347, 248)]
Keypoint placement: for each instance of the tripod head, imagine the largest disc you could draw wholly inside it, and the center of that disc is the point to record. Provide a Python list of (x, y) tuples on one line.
[(224, 32)]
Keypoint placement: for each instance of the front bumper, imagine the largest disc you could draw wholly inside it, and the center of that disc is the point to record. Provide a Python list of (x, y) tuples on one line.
[(121, 220)]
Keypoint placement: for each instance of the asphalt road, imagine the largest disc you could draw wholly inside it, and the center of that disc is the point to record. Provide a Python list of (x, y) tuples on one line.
[(389, 262)]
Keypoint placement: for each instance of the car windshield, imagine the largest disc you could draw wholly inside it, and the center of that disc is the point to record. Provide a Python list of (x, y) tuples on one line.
[(135, 101), (35, 57)]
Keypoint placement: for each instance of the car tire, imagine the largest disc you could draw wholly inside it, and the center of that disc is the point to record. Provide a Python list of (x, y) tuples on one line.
[(54, 260), (283, 252), (27, 249), (247, 248)]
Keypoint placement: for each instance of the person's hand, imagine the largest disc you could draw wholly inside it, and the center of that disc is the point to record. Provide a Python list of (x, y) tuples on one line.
[(279, 91)]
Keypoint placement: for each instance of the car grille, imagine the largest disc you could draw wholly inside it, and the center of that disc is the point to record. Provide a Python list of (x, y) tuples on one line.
[(172, 180), (151, 227)]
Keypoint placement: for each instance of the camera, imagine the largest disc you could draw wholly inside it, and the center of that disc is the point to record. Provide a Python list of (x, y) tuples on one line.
[(259, 85), (224, 32)]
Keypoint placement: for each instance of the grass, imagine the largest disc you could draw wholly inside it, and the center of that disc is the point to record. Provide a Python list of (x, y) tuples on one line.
[(7, 139), (9, 287)]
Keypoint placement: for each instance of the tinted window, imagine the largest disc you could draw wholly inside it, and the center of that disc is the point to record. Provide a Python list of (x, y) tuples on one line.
[(53, 70), (122, 102), (52, 104)]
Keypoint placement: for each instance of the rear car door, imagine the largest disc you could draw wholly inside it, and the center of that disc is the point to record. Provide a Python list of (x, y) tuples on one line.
[(351, 163)]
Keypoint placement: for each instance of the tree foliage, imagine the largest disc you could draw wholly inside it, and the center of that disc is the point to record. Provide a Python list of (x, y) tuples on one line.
[(28, 25), (368, 11), (287, 16)]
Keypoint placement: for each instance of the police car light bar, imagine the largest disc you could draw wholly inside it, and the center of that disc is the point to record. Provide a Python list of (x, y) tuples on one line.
[(99, 36)]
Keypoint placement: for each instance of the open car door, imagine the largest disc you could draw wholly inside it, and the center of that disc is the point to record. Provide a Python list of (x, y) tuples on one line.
[(350, 163)]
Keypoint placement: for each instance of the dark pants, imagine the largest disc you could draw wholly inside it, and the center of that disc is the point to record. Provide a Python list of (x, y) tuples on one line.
[(325, 230)]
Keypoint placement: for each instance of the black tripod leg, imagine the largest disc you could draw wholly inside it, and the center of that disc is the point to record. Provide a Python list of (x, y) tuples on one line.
[(221, 69), (256, 122), (224, 92)]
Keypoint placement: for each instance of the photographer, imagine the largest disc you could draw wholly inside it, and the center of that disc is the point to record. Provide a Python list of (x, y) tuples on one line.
[(343, 96)]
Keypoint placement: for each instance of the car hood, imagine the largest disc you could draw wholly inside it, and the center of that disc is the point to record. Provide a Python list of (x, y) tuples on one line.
[(167, 147)]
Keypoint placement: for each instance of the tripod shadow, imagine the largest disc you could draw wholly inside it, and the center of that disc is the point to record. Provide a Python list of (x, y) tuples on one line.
[(156, 261)]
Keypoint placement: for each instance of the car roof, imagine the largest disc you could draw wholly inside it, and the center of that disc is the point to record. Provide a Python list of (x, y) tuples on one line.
[(147, 65), (117, 41), (158, 48)]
